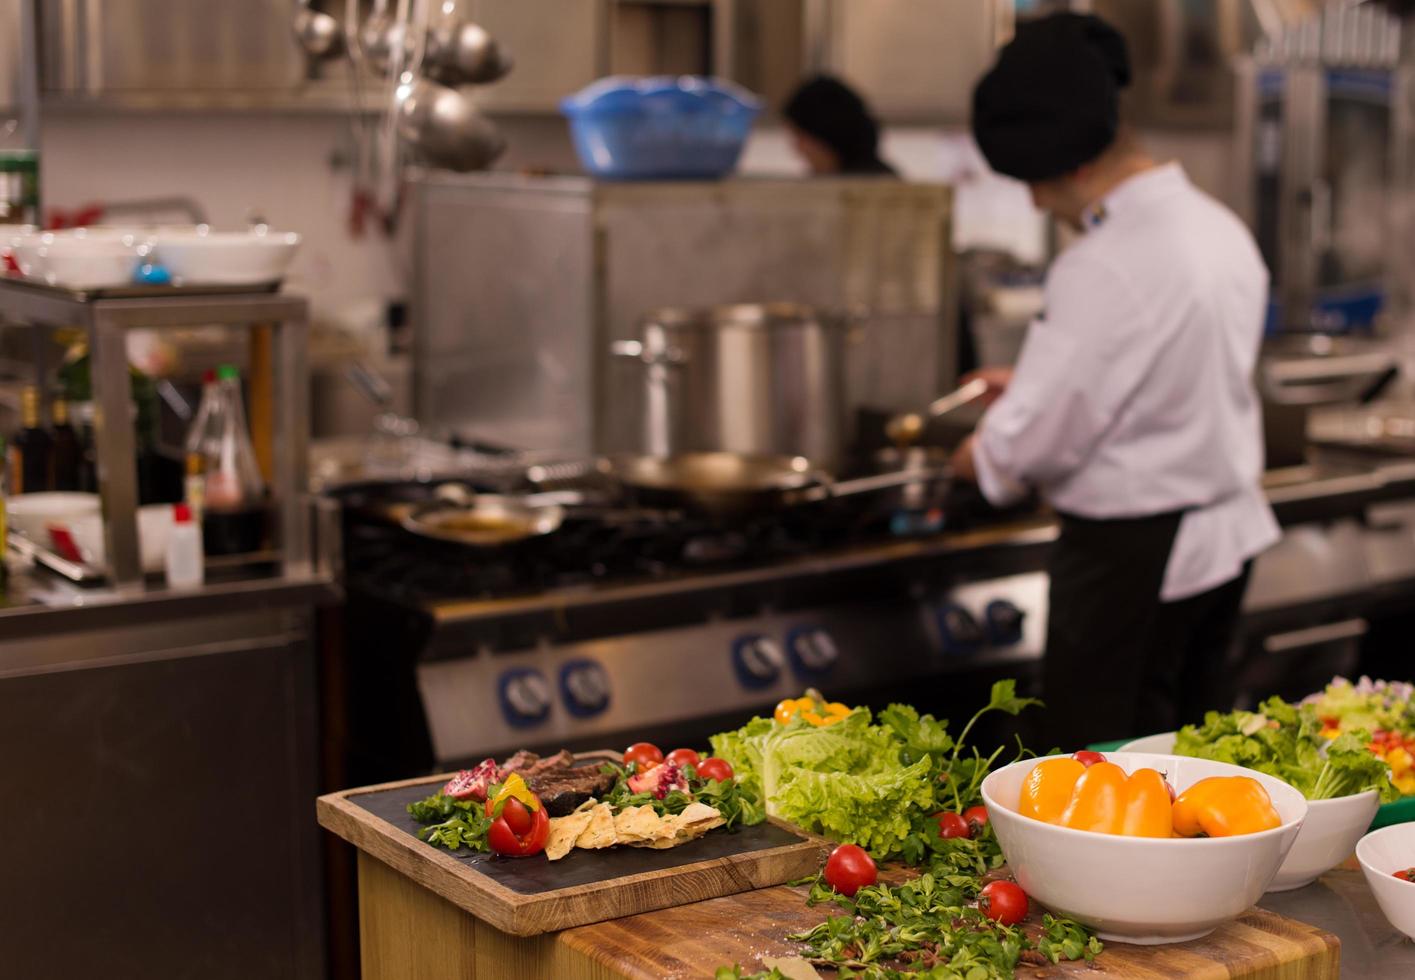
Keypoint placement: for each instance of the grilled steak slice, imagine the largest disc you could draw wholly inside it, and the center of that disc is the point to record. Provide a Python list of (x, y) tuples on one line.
[(563, 759), (520, 762), (562, 790)]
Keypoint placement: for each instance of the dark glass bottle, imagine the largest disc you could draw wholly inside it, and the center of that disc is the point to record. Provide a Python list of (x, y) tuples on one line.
[(31, 450), (68, 454)]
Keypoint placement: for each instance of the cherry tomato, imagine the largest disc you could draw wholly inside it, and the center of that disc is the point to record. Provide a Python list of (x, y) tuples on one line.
[(683, 757), (976, 818), (952, 824), (1406, 874), (644, 754), (849, 868), (1004, 902), (517, 816), (1087, 758), (505, 842), (716, 769)]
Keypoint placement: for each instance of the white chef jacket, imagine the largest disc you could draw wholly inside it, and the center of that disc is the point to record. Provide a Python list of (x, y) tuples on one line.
[(1133, 394)]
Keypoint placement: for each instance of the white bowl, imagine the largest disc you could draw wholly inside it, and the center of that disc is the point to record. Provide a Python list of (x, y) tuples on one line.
[(1162, 744), (154, 527), (31, 513), (131, 235), (24, 247), (89, 263), (1382, 853), (1142, 889), (226, 258), (1330, 832), (1328, 835)]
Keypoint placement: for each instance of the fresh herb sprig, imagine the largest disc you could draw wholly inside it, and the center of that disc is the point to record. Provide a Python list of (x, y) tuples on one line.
[(449, 823), (927, 928)]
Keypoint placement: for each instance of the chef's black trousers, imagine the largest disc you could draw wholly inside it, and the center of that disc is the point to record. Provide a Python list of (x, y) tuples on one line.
[(1119, 662)]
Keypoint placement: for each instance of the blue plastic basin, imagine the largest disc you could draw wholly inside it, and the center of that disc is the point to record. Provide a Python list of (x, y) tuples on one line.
[(659, 128)]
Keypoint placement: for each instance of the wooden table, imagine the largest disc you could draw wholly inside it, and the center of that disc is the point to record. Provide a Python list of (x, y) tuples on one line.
[(410, 933)]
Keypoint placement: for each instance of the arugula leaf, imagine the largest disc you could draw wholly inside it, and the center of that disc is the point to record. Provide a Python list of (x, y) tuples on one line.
[(454, 824)]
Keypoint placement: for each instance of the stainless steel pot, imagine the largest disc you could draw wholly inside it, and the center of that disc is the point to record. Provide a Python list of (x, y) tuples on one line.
[(754, 379)]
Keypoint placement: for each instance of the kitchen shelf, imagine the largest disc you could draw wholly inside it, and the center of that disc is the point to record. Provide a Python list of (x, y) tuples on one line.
[(105, 319)]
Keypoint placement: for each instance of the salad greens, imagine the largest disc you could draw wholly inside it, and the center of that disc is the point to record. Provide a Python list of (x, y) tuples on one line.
[(737, 809), (1367, 704), (453, 824), (926, 929), (1286, 741), (875, 785)]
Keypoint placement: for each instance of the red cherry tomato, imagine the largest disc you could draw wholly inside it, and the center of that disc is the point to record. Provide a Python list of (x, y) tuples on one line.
[(683, 757), (1406, 874), (716, 769), (644, 754), (1004, 902), (977, 818), (506, 842), (849, 868), (517, 816), (952, 824), (1087, 758)]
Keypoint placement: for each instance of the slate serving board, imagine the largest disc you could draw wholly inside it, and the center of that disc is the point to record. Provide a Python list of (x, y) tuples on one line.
[(529, 896)]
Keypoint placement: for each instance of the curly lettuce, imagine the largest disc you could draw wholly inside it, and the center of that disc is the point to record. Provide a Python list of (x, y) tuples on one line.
[(1285, 740)]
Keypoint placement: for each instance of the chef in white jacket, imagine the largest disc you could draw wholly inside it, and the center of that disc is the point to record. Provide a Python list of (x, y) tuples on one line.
[(1131, 409)]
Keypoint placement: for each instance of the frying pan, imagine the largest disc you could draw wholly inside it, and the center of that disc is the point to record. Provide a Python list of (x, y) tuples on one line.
[(487, 520), (722, 484)]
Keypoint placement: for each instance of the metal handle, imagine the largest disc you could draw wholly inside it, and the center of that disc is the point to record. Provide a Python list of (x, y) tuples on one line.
[(955, 400), (635, 350), (1347, 629)]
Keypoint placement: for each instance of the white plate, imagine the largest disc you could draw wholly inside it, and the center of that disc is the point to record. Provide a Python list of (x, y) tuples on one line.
[(225, 258)]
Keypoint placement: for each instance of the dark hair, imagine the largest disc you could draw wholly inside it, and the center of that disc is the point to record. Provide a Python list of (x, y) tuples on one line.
[(834, 113)]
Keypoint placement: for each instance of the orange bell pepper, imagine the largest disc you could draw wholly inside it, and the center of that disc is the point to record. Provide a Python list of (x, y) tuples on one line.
[(812, 709), (1224, 806), (1047, 789), (1101, 799)]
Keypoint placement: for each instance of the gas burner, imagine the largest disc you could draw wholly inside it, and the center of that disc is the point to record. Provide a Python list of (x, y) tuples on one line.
[(605, 545)]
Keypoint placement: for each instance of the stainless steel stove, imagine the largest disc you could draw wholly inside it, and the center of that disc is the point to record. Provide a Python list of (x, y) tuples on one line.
[(616, 629)]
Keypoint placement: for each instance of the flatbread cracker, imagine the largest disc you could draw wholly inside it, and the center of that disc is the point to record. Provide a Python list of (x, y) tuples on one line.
[(637, 823), (564, 831), (600, 830)]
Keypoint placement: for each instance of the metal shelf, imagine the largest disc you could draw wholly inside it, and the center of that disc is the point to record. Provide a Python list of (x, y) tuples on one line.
[(105, 320)]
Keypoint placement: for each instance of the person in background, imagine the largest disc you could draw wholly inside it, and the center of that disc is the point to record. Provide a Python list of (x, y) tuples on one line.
[(833, 129), (1131, 409)]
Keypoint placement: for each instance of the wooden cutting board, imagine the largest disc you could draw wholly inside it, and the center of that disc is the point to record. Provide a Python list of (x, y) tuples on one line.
[(529, 896), (692, 941)]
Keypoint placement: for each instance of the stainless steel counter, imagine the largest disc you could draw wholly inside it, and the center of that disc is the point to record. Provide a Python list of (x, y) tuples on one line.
[(1341, 903)]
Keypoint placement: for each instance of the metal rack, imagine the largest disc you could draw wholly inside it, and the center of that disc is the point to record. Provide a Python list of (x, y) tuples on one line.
[(105, 320)]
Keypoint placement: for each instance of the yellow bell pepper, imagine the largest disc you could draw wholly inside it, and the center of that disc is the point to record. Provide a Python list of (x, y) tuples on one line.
[(514, 786), (811, 709), (1224, 806), (1101, 799)]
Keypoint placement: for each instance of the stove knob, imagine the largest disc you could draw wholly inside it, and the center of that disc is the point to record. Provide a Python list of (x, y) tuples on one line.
[(1004, 622), (525, 696), (758, 659), (813, 650), (584, 686), (959, 630)]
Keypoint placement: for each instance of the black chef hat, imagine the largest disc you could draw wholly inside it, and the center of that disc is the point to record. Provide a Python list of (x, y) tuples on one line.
[(1052, 101), (833, 113)]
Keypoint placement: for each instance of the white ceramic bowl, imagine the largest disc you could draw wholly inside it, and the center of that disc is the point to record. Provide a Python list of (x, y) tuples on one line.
[(226, 258), (24, 247), (31, 513), (1142, 889), (1330, 832), (154, 527), (82, 262), (1382, 853)]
